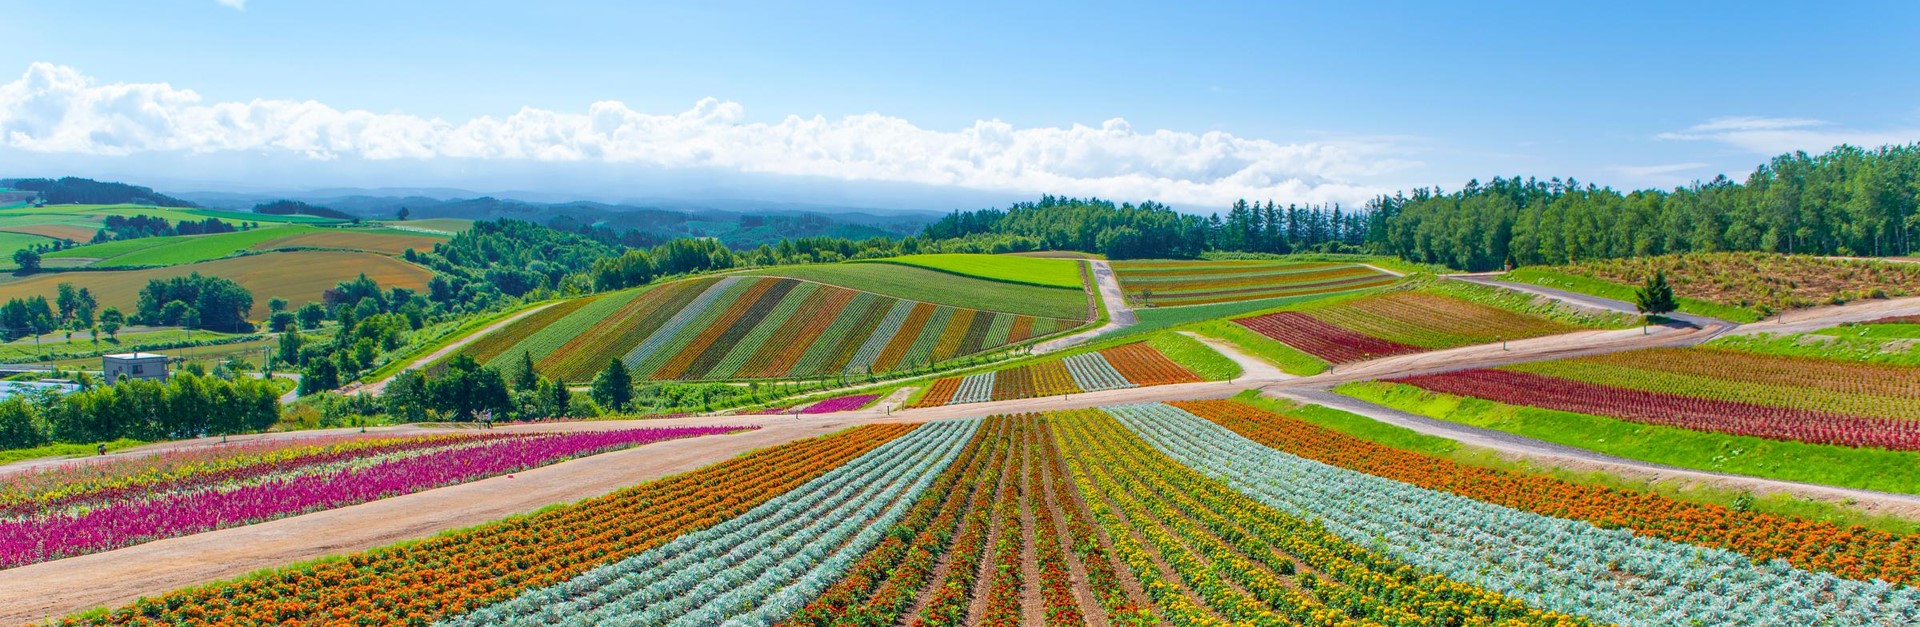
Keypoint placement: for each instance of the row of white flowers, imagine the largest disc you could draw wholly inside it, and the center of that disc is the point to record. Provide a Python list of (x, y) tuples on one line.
[(1092, 372), (760, 566), (976, 388), (1552, 563)]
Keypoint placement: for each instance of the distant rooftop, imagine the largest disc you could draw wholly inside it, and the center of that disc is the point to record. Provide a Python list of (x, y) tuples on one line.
[(136, 355)]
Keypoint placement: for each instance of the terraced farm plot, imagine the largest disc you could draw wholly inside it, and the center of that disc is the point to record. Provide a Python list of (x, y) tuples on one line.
[(176, 249), (383, 241), (1049, 272), (1126, 366), (942, 288), (738, 327), (1181, 283), (1737, 286), (1396, 323), (300, 277), (1129, 515), (1776, 397)]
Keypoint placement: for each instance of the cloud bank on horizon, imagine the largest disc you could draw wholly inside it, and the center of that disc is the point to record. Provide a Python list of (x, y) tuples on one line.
[(59, 110)]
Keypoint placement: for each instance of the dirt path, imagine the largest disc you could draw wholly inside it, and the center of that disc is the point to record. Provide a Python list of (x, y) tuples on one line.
[(64, 586), (1251, 367), (377, 387), (1584, 301), (1804, 320), (1119, 315)]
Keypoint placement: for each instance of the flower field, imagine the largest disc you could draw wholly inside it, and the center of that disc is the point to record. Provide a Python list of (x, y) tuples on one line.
[(1396, 324), (1126, 366), (1849, 551), (1803, 399), (1178, 283), (756, 567), (1129, 515), (447, 575), (1763, 282), (1550, 563), (840, 403), (752, 327), (86, 510)]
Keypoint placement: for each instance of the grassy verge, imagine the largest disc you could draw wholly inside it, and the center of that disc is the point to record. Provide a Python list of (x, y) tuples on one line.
[(1286, 358), (1871, 469), (1527, 304), (1616, 291), (407, 356), (1843, 343), (63, 449), (1209, 364), (1410, 440)]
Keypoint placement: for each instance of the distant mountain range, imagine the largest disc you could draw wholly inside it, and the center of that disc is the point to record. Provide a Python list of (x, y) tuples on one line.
[(738, 223)]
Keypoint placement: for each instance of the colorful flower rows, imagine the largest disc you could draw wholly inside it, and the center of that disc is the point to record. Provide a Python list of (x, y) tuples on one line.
[(97, 480), (1245, 562), (1179, 283), (419, 582), (1397, 323), (840, 403), (1125, 366), (1809, 383), (226, 501), (1551, 563), (1674, 410), (885, 583), (740, 327), (759, 566), (1850, 551)]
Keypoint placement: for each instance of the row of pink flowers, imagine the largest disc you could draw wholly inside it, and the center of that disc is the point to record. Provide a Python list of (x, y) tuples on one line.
[(102, 492), (840, 403), (41, 538)]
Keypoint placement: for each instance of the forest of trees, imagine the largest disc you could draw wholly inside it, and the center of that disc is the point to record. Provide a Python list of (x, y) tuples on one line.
[(186, 405), (1847, 201), (73, 190), (297, 208)]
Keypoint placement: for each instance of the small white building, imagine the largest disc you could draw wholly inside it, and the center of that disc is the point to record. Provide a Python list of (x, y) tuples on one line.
[(133, 366)]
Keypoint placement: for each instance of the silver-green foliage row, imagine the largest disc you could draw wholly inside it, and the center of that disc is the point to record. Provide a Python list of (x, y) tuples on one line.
[(1552, 563), (756, 568)]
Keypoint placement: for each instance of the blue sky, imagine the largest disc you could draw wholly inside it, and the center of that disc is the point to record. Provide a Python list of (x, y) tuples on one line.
[(983, 100)]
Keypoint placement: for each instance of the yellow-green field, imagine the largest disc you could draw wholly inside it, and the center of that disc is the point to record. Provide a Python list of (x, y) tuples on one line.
[(298, 276)]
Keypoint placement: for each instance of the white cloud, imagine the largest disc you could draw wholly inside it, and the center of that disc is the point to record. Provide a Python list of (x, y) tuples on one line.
[(237, 5), (1773, 136), (56, 109)]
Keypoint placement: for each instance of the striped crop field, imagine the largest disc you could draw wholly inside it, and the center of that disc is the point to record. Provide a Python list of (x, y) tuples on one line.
[(1178, 283), (1126, 366), (1396, 323), (1803, 399), (1203, 513), (722, 328)]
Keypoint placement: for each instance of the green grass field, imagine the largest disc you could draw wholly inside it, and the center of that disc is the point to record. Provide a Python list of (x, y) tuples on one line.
[(63, 450), (1209, 364), (178, 249), (1872, 469), (1286, 358), (10, 242), (1030, 270), (1587, 285), (942, 288), (440, 225), (1897, 344)]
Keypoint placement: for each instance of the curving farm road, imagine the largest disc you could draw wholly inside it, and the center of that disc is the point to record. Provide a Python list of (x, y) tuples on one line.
[(60, 587)]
